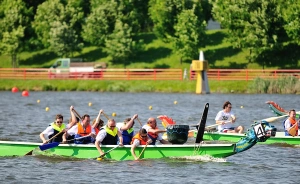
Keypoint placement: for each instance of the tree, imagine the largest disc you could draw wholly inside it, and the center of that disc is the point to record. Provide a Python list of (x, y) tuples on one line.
[(189, 34), (255, 25), (120, 45), (13, 22), (50, 16), (291, 15)]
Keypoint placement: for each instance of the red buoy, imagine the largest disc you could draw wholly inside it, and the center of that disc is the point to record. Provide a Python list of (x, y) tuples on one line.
[(14, 89), (25, 93)]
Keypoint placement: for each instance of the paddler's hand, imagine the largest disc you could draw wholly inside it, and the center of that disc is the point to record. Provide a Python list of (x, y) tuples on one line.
[(121, 145)]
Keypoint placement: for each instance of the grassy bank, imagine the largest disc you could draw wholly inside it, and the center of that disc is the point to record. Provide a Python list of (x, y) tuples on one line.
[(123, 86)]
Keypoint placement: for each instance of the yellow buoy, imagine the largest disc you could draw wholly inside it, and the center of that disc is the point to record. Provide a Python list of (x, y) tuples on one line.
[(150, 107), (175, 102), (99, 158), (38, 101), (47, 109), (113, 114), (242, 107), (90, 104)]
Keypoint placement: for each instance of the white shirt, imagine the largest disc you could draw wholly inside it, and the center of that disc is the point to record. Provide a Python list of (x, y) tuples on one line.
[(147, 127), (102, 134), (224, 116), (74, 130), (48, 131), (287, 124)]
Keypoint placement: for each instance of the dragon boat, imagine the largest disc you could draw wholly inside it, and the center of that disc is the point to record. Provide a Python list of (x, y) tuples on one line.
[(279, 111), (279, 138), (177, 135)]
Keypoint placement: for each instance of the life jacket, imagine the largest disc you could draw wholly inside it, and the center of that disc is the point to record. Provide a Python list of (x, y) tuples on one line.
[(97, 130), (153, 136), (56, 129), (293, 121), (83, 132), (111, 137), (127, 136), (142, 141)]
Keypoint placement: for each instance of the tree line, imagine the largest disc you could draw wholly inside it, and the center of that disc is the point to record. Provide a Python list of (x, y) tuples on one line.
[(65, 26)]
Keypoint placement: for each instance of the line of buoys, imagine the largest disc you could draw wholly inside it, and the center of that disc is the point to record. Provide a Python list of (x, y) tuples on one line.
[(25, 93), (14, 90)]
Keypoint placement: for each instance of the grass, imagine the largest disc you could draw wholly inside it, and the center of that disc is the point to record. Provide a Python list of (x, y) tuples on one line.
[(158, 54)]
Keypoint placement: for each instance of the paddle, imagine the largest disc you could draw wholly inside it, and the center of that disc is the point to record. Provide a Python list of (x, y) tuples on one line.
[(210, 126), (106, 116), (139, 121), (142, 151), (45, 144), (101, 156), (54, 144), (272, 119), (77, 114)]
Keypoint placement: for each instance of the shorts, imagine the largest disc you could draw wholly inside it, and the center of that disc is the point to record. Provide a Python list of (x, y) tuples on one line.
[(226, 129)]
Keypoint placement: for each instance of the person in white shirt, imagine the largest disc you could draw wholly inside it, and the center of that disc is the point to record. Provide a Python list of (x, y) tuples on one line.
[(225, 119), (154, 132)]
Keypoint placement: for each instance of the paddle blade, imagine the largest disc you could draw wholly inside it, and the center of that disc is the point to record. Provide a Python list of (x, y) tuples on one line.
[(48, 146), (202, 123)]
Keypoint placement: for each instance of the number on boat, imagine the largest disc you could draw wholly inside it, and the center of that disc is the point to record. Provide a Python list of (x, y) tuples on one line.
[(259, 131)]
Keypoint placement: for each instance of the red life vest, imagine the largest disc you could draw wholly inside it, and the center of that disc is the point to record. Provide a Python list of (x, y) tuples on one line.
[(83, 132)]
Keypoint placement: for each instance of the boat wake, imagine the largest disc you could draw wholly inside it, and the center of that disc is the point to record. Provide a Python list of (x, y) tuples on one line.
[(203, 158)]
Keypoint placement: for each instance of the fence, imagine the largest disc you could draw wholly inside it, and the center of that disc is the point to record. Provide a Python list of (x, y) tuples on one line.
[(142, 74)]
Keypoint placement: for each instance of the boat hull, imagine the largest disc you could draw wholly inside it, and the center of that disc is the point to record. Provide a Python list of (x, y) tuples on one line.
[(9, 148), (280, 138)]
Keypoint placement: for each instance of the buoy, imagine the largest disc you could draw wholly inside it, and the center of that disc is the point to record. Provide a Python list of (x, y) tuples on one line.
[(90, 104), (242, 107), (25, 93), (14, 89), (150, 107), (113, 114), (47, 109), (38, 101), (99, 158), (175, 102)]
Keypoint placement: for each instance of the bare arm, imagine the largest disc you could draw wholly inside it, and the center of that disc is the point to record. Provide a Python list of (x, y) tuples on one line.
[(133, 146), (98, 119), (73, 117), (129, 123), (120, 138), (156, 131), (97, 144), (43, 138)]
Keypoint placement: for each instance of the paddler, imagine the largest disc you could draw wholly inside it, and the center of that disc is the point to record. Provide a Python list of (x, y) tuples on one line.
[(126, 128), (290, 124), (108, 135), (56, 128), (154, 132), (140, 138)]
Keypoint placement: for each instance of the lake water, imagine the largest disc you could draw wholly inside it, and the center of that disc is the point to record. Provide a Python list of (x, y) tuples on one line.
[(22, 119)]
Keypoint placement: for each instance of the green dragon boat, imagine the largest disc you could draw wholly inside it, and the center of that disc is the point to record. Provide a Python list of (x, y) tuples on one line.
[(279, 111), (279, 138), (177, 135)]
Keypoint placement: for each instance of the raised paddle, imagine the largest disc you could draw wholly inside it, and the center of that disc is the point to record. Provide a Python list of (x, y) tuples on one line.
[(106, 116), (139, 121), (101, 156), (143, 151), (272, 119)]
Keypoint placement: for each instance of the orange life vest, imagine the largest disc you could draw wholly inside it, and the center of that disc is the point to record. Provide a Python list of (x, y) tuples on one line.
[(152, 135), (293, 122), (142, 141), (83, 132)]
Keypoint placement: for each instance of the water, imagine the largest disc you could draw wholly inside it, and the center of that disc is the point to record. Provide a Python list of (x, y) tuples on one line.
[(22, 119)]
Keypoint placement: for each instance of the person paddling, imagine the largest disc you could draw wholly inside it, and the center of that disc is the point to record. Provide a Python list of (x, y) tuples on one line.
[(225, 118), (98, 123), (290, 124), (108, 135), (141, 138), (154, 132), (83, 129), (127, 130), (57, 127)]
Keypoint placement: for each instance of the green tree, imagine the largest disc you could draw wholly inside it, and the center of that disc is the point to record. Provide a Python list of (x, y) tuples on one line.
[(291, 15), (50, 16), (255, 25), (13, 22), (164, 15), (189, 34), (120, 45)]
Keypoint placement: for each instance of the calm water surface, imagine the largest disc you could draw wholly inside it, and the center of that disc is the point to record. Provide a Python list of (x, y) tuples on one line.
[(22, 119)]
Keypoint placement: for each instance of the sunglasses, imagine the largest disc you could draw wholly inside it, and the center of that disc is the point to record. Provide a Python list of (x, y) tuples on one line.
[(112, 126), (59, 122), (144, 136)]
